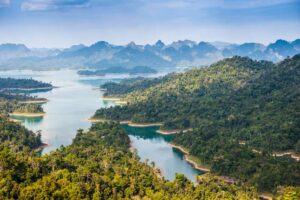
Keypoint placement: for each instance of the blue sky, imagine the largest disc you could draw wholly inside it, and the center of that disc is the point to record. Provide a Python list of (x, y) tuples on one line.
[(61, 23)]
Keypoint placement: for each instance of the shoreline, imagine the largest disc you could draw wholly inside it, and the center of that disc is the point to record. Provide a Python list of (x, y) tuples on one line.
[(28, 89), (287, 153), (93, 120), (35, 101), (116, 100), (144, 124), (19, 114), (121, 102), (41, 147), (171, 132), (265, 196), (15, 120), (124, 122), (111, 98), (129, 123), (186, 157)]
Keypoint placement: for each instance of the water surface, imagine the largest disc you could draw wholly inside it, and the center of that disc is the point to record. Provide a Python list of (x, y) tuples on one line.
[(75, 100), (155, 147)]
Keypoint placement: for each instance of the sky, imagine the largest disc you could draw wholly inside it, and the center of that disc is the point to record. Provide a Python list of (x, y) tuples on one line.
[(62, 23)]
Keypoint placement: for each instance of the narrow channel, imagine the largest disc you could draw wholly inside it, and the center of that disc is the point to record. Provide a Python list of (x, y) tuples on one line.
[(75, 100)]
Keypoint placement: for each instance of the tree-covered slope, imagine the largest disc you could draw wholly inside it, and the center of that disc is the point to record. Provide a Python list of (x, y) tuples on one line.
[(11, 100), (133, 84), (15, 134), (97, 165), (241, 112), (242, 95), (176, 98)]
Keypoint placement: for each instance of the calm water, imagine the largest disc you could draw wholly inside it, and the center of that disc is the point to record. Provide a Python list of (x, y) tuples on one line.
[(75, 100), (155, 147)]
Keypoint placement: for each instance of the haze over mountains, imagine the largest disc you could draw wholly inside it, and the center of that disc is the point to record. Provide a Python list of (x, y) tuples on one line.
[(179, 54)]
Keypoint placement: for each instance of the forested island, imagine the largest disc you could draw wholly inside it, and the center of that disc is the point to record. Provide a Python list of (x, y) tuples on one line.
[(242, 115), (118, 70), (14, 101), (12, 84)]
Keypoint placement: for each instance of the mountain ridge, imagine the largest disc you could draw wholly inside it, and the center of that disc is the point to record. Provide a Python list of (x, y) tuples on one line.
[(179, 54)]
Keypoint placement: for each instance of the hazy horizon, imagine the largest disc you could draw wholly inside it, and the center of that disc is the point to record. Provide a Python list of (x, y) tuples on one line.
[(42, 47), (63, 23)]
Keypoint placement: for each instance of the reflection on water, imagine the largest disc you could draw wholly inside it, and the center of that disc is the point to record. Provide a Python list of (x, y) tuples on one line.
[(32, 121)]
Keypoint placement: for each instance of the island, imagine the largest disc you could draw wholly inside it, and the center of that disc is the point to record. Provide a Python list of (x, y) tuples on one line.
[(25, 85), (16, 103)]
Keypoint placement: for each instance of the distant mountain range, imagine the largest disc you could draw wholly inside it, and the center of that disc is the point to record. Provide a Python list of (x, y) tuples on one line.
[(179, 54)]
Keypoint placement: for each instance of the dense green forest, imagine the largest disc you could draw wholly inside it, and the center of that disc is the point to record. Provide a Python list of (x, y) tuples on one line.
[(11, 106), (15, 135), (133, 84), (97, 165), (11, 83), (241, 111), (13, 102)]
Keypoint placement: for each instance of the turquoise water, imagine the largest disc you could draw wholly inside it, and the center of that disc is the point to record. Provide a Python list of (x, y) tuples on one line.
[(75, 100), (155, 147)]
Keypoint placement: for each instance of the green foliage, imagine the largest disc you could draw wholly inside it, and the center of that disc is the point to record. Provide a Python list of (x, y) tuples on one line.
[(134, 84), (17, 134), (233, 102), (29, 108), (11, 83), (289, 193), (98, 165), (10, 101), (10, 106)]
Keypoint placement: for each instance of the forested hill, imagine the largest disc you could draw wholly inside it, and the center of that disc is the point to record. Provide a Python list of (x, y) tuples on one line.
[(241, 112), (133, 84), (238, 93), (97, 165), (176, 98), (231, 73)]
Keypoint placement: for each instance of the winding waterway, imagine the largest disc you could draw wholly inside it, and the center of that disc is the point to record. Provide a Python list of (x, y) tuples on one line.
[(75, 100)]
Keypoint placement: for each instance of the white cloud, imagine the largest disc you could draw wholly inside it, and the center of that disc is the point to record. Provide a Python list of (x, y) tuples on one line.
[(4, 3), (39, 5)]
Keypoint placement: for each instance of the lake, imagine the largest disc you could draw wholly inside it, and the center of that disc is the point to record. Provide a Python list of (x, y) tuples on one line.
[(75, 100)]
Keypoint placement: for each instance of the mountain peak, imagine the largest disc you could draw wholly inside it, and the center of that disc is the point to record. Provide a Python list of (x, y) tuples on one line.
[(100, 45), (180, 43), (131, 44), (281, 42), (13, 47), (159, 44), (282, 47)]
